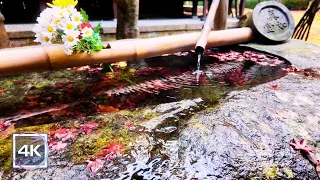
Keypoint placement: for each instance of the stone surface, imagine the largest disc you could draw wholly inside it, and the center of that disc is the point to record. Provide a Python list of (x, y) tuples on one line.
[(251, 131)]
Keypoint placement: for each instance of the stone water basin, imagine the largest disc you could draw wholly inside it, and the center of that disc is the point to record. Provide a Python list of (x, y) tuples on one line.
[(153, 120)]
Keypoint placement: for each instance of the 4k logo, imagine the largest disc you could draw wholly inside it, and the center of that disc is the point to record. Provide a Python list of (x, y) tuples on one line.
[(30, 150)]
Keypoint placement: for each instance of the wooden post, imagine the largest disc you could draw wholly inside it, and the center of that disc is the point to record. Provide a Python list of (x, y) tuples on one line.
[(194, 8), (114, 5), (205, 9), (220, 20), (43, 5), (4, 39), (242, 6), (127, 19)]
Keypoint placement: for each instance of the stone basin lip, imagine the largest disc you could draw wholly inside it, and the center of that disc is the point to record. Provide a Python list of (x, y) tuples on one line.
[(299, 53)]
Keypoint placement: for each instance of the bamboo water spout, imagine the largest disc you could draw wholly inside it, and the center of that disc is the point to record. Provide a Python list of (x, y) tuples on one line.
[(208, 25), (42, 58)]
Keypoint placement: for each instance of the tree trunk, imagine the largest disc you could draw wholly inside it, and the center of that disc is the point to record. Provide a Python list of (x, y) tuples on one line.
[(4, 39), (127, 19)]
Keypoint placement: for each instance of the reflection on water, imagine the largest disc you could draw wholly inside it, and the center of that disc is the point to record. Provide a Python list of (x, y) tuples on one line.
[(166, 84)]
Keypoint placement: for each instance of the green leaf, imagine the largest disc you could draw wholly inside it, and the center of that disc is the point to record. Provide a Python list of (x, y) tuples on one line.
[(84, 15), (97, 29)]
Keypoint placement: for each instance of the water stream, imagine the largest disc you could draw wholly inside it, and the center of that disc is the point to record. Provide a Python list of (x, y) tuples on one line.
[(198, 72)]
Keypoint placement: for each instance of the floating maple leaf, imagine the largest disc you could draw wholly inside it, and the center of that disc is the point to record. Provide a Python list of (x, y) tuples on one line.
[(94, 166), (58, 85), (301, 145), (69, 86), (58, 146), (88, 127)]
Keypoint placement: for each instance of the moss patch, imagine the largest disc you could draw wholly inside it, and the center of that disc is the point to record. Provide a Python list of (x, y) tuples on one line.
[(271, 172)]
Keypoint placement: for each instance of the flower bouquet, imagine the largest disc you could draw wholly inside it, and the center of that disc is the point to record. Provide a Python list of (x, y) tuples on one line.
[(61, 22)]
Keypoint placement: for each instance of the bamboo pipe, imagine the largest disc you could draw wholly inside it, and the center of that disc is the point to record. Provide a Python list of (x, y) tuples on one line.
[(208, 25), (15, 61)]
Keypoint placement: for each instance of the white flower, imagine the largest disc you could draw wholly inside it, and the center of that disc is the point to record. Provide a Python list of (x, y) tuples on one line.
[(76, 17), (86, 32), (44, 39), (71, 38), (68, 25), (47, 14), (67, 49)]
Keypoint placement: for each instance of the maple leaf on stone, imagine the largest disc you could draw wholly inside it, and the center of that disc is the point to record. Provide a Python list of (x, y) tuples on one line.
[(60, 133), (4, 124), (274, 87), (301, 145), (87, 127), (111, 151), (114, 148), (71, 134), (58, 146), (94, 166)]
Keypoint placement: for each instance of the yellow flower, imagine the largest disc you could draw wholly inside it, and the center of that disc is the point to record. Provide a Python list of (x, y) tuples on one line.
[(63, 3)]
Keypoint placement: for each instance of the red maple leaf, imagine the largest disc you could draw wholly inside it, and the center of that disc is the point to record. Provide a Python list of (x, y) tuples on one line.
[(94, 166), (32, 103), (87, 127), (71, 134), (112, 150), (18, 82), (107, 109), (60, 133), (69, 86), (301, 145), (65, 134), (58, 85), (1, 91), (58, 146)]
